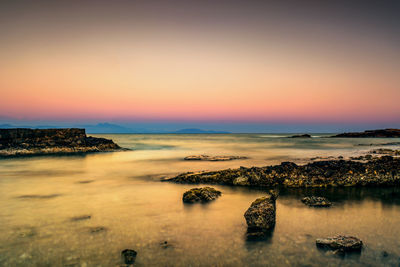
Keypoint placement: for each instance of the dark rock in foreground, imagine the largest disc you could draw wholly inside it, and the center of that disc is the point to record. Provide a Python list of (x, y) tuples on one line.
[(340, 242), (213, 158), (128, 256), (260, 217), (22, 142), (316, 201), (394, 133), (383, 171), (203, 194), (301, 136)]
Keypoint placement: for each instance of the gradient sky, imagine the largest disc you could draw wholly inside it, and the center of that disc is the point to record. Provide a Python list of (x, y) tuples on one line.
[(206, 61)]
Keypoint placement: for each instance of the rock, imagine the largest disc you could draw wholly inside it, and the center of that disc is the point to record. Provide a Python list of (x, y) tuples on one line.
[(39, 196), (128, 256), (316, 201), (385, 254), (24, 142), (382, 171), (166, 245), (213, 158), (81, 218), (97, 229), (340, 242), (203, 194), (301, 136), (393, 133), (260, 216)]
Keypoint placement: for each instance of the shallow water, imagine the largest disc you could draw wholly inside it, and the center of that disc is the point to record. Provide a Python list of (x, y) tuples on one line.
[(130, 208)]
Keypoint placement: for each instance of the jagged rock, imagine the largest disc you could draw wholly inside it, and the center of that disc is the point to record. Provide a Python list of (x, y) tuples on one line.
[(260, 216), (316, 201), (213, 158), (301, 136), (382, 171), (128, 256), (394, 133), (204, 194), (340, 242), (23, 142)]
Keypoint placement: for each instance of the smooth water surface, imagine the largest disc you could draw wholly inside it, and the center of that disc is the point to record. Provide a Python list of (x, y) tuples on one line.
[(130, 208)]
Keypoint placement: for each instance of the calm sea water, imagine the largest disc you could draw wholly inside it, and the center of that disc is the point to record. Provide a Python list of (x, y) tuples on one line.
[(130, 208)]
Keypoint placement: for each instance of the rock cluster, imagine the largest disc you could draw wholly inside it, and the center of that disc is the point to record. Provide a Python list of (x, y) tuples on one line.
[(301, 136), (394, 133), (204, 194), (260, 216), (314, 201), (212, 158), (22, 141), (383, 171), (341, 243)]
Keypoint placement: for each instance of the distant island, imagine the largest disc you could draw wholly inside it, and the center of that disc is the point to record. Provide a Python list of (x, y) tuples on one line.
[(24, 142), (384, 133)]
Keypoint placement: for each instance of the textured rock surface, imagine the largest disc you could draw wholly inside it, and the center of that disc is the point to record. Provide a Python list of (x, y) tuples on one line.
[(260, 216), (372, 133), (203, 194), (212, 158), (383, 171), (21, 141), (340, 242), (316, 201)]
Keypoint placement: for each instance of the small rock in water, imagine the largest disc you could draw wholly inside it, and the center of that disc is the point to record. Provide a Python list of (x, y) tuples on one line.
[(128, 256), (165, 244), (81, 218), (97, 229), (385, 254), (86, 181), (203, 194), (316, 201), (260, 217), (341, 243), (213, 158)]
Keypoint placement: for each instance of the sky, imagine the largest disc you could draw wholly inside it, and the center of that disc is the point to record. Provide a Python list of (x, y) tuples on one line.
[(202, 63)]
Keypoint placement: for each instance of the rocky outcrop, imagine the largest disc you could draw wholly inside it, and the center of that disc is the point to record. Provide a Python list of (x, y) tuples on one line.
[(213, 158), (383, 171), (301, 136), (21, 141), (316, 201), (341, 243), (204, 194), (395, 133), (260, 216)]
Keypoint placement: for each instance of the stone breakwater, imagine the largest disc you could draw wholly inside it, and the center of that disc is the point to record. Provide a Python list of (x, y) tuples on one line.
[(383, 171), (22, 141)]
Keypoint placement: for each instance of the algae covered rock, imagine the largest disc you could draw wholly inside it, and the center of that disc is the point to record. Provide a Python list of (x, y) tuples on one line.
[(261, 215), (204, 194), (314, 201), (340, 242)]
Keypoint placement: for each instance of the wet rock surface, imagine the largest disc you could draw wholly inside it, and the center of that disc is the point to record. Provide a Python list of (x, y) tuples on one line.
[(394, 133), (382, 171), (204, 194), (314, 201), (213, 158), (260, 216), (128, 256), (341, 243), (24, 142)]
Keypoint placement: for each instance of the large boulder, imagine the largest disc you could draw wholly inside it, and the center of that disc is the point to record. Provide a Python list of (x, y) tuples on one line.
[(316, 201), (203, 194), (261, 215), (341, 243)]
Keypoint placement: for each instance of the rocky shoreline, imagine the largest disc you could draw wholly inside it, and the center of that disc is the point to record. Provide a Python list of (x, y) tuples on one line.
[(32, 142), (382, 171), (382, 133)]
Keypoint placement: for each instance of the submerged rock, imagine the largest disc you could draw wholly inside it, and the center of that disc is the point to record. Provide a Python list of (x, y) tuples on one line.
[(128, 256), (203, 194), (260, 216), (382, 171), (316, 201), (24, 141), (340, 242), (81, 218), (97, 229), (213, 158), (301, 136)]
